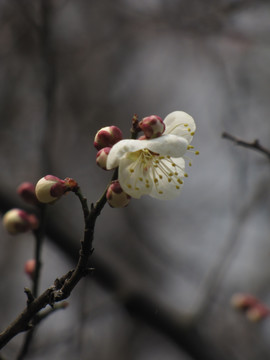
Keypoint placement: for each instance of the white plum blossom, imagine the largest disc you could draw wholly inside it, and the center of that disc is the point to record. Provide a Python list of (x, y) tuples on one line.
[(155, 167)]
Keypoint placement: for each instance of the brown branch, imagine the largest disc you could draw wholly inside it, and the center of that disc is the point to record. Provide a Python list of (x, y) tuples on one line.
[(62, 287), (255, 145)]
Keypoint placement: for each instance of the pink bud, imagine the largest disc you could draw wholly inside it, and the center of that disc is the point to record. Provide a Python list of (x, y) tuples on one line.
[(107, 137), (50, 188), (30, 267), (116, 197), (152, 126), (27, 192), (243, 301), (257, 312), (102, 156), (17, 221)]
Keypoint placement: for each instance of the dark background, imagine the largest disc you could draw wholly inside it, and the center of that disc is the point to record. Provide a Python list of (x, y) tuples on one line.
[(165, 271)]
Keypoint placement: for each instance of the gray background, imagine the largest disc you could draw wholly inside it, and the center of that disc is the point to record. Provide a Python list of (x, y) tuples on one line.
[(165, 271)]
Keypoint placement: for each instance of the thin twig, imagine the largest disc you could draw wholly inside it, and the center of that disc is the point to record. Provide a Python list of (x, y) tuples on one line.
[(62, 287), (39, 235), (255, 145)]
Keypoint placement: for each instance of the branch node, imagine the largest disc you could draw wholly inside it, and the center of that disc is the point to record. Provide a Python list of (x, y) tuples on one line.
[(30, 297)]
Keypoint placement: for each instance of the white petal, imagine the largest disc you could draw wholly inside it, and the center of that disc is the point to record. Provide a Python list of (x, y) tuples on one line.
[(171, 145), (119, 150), (168, 187), (181, 124), (134, 178)]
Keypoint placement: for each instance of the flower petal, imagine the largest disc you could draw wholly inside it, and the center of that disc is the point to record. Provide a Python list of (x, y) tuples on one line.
[(134, 178), (168, 187), (181, 124), (171, 145)]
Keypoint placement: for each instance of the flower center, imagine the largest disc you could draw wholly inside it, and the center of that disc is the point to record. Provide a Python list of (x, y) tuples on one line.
[(151, 169)]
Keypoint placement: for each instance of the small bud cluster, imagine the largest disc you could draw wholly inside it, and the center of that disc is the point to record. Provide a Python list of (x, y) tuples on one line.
[(17, 221), (255, 310), (104, 140)]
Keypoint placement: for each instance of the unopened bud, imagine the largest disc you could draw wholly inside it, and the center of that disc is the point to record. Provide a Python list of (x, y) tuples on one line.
[(152, 126), (257, 312), (102, 156), (107, 137), (243, 301), (30, 268), (17, 221), (27, 192), (116, 197), (50, 188)]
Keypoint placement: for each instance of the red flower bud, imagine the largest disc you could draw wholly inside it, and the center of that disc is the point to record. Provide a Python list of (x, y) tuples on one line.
[(257, 312), (27, 192), (152, 126), (243, 301), (107, 137), (30, 267)]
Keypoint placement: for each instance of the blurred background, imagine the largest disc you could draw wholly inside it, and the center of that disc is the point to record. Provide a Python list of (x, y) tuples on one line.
[(165, 271)]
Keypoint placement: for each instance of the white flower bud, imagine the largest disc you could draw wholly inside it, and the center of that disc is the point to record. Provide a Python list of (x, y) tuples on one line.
[(17, 221), (116, 197), (50, 188), (107, 137), (102, 156)]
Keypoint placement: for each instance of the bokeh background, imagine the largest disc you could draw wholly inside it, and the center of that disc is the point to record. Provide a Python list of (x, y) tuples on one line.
[(165, 271)]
